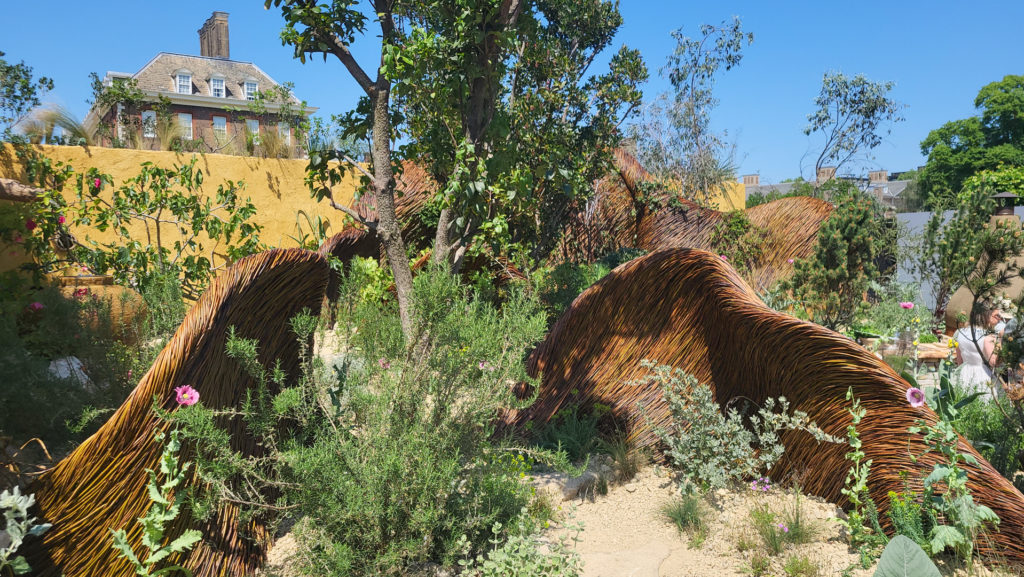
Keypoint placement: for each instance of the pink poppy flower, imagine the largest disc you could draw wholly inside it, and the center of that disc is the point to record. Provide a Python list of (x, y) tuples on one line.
[(96, 183), (915, 397), (186, 395), (60, 219), (906, 305), (30, 224)]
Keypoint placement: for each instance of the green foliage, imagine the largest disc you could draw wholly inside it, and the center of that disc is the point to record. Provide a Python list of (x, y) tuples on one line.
[(627, 459), (962, 148), (392, 460), (560, 285), (886, 317), (690, 515), (800, 528), (772, 531), (572, 431), (861, 523), (523, 555), (760, 564), (164, 509), (675, 140), (18, 524), (951, 252), (43, 326), (126, 99), (738, 240), (19, 93), (800, 566), (850, 113), (164, 203), (906, 514), (713, 450), (904, 558), (830, 284), (161, 291), (993, 428)]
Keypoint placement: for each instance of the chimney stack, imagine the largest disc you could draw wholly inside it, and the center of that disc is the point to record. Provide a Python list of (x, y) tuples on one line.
[(751, 179), (825, 174), (878, 176), (213, 37)]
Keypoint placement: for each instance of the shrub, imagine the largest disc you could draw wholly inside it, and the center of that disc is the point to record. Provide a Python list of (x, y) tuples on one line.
[(801, 530), (523, 555), (17, 525), (800, 566), (772, 530), (628, 459), (713, 450), (392, 461), (572, 431)]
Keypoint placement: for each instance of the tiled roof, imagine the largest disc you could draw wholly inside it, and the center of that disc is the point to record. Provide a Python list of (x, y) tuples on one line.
[(158, 75)]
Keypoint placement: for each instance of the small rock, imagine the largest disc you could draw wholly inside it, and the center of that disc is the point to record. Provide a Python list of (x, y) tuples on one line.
[(631, 487), (70, 368)]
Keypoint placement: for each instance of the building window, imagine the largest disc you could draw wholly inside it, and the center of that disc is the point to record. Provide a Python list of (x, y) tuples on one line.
[(250, 90), (252, 127), (184, 83), (285, 132), (220, 126), (149, 124), (217, 87), (185, 122)]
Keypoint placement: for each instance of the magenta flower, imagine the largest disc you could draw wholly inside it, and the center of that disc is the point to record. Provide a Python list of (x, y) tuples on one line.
[(96, 183), (906, 305), (18, 238), (784, 528), (81, 293), (790, 261), (384, 364), (187, 395), (30, 224), (915, 397), (60, 219), (36, 306), (725, 258)]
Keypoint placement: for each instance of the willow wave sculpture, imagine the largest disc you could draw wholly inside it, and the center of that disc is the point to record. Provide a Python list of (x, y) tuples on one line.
[(689, 309), (618, 217), (102, 484)]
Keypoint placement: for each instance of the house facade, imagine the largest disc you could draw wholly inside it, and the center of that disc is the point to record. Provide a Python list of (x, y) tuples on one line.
[(207, 102)]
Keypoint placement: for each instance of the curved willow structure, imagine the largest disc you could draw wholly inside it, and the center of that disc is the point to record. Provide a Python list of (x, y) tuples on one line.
[(102, 484), (688, 309)]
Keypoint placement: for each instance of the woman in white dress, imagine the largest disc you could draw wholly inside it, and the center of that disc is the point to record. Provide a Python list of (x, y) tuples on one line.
[(977, 343)]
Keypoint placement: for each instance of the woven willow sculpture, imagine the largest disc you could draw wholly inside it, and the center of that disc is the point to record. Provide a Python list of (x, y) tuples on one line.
[(688, 309), (102, 484)]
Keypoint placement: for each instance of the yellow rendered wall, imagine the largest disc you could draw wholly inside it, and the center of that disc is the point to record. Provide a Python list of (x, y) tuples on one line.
[(732, 197), (275, 186)]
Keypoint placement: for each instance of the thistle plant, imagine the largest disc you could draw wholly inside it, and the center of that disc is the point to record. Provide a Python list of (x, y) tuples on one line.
[(18, 525), (867, 540), (165, 509)]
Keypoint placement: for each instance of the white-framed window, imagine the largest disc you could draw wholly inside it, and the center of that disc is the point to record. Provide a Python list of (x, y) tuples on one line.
[(250, 89), (185, 121), (285, 132), (184, 83), (149, 124), (252, 126), (217, 88), (220, 126)]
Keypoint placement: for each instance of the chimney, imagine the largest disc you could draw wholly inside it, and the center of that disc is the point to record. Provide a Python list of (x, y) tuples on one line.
[(213, 37), (878, 176), (751, 179), (825, 174)]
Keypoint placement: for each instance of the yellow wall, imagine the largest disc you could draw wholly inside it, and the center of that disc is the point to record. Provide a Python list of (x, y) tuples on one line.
[(275, 185), (733, 197)]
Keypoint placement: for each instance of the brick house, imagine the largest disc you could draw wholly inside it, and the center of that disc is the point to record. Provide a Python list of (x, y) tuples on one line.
[(209, 102)]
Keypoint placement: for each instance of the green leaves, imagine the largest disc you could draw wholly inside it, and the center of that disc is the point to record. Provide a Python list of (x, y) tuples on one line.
[(904, 558)]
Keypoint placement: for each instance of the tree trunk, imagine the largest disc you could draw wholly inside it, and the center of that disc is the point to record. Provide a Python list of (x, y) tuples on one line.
[(442, 239), (388, 228)]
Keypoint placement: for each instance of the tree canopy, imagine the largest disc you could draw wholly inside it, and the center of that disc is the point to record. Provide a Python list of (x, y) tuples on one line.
[(19, 93), (988, 141)]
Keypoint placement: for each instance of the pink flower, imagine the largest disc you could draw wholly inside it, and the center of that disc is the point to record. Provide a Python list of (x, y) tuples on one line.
[(384, 364), (915, 397), (790, 261), (36, 306), (784, 528), (60, 219), (17, 237), (187, 395), (81, 293), (906, 305), (96, 183), (30, 224), (725, 258)]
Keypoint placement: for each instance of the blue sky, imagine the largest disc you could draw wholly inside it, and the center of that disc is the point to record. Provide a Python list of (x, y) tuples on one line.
[(939, 53)]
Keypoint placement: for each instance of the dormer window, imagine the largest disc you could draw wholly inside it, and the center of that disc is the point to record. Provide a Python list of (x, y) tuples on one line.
[(250, 89), (217, 87), (183, 82)]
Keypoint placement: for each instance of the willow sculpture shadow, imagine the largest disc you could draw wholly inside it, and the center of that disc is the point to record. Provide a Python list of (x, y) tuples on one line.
[(688, 309), (102, 484)]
